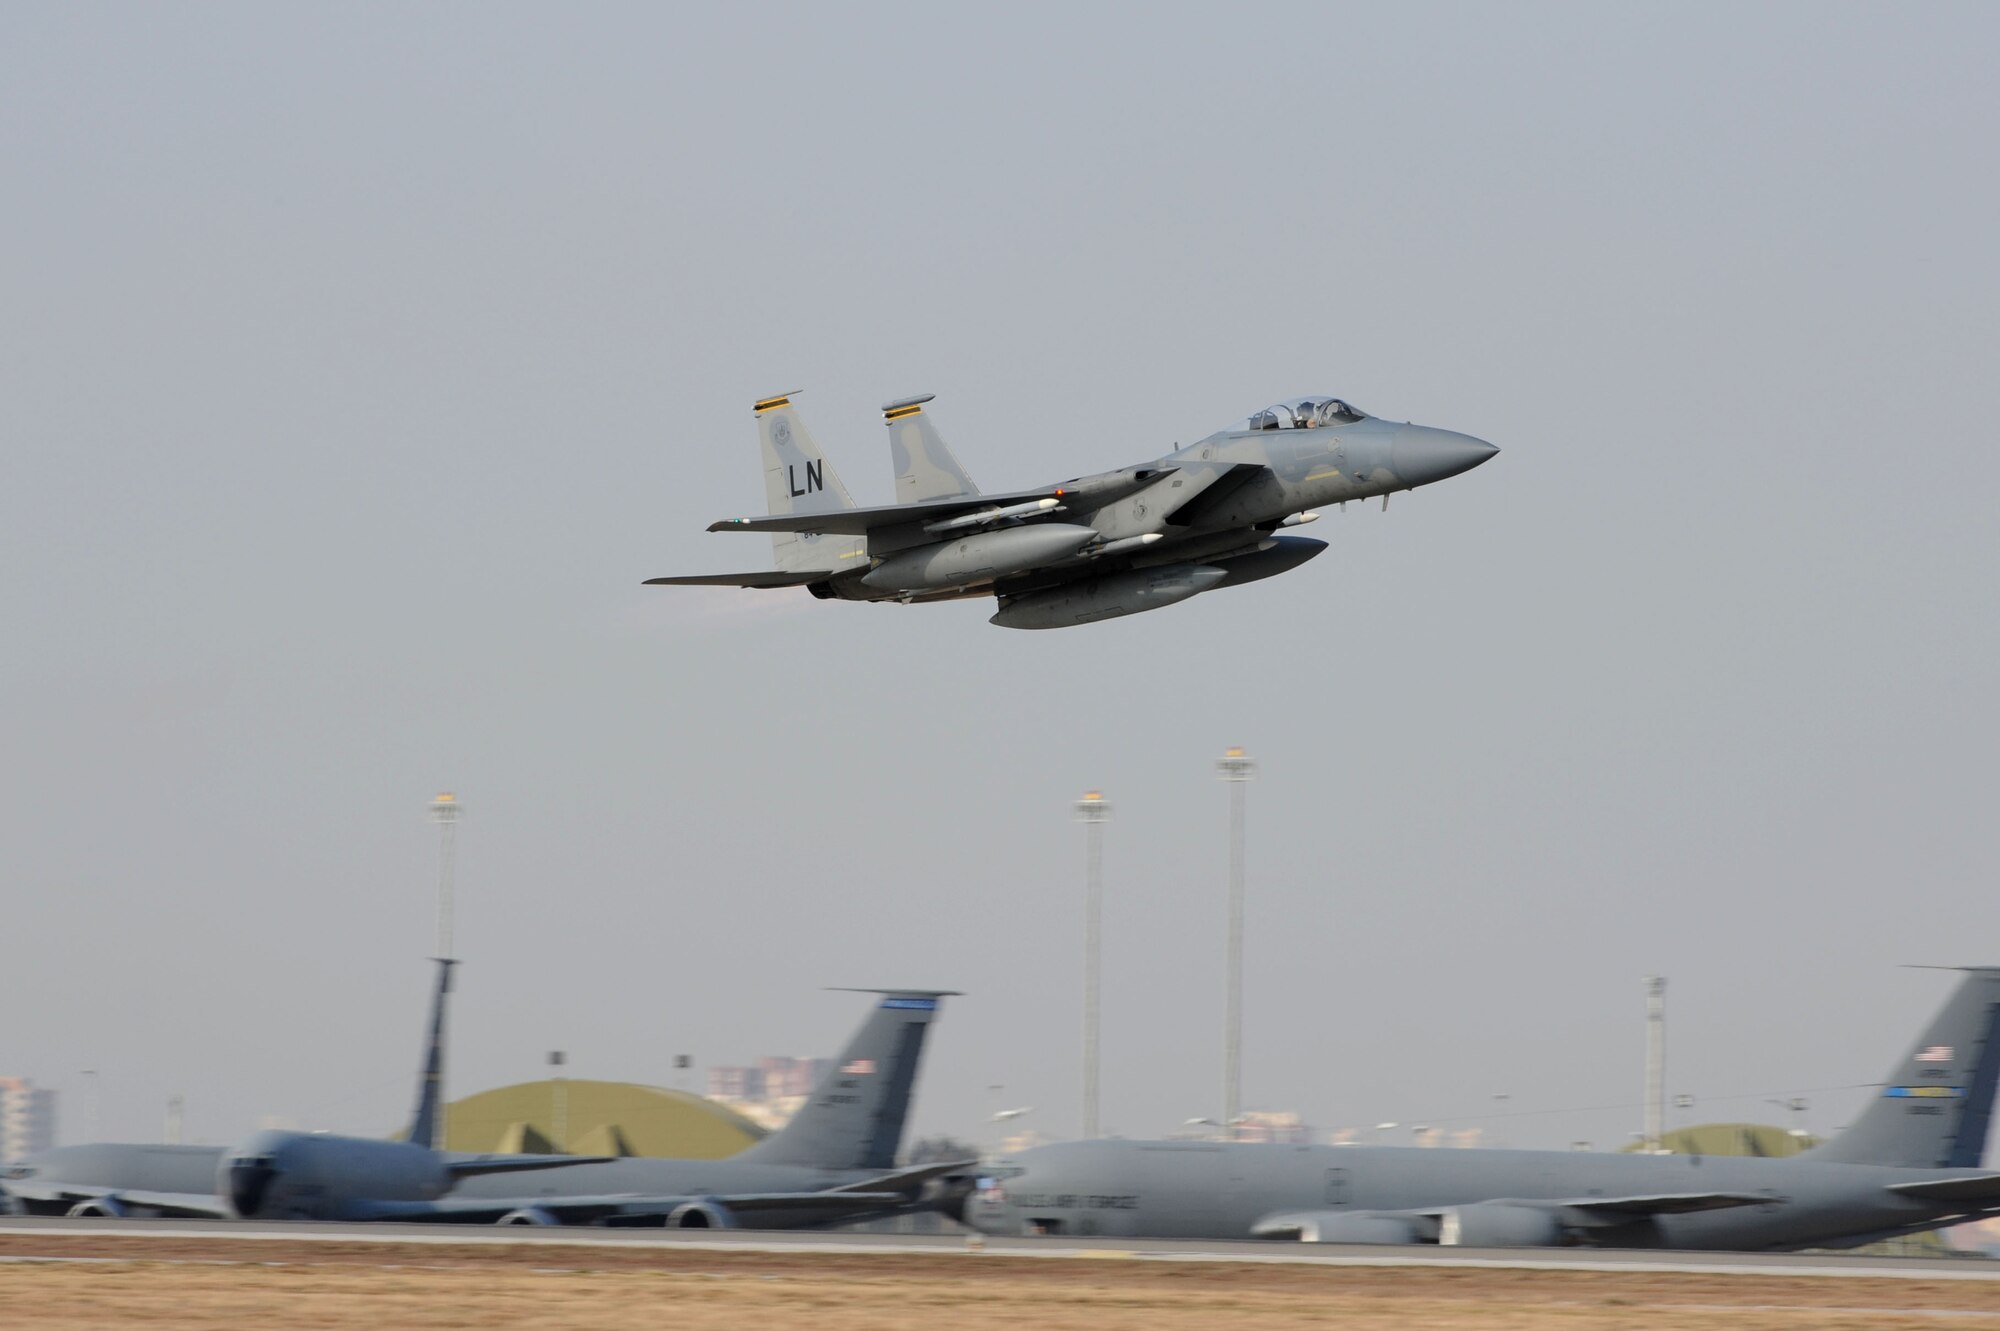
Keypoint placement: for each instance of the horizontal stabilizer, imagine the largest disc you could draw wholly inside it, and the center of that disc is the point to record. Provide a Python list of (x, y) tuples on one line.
[(769, 578), (903, 1179), (826, 1203), (1976, 1188), (468, 1166), (861, 521)]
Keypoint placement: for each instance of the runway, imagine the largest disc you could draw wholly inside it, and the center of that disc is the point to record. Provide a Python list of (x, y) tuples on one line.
[(72, 1235)]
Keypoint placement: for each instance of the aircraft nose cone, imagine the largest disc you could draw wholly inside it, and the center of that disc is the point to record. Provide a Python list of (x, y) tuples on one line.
[(1420, 455)]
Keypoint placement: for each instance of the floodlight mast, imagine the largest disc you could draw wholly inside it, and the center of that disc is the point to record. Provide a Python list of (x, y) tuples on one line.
[(444, 812), (428, 1128), (1093, 812), (1656, 1063), (1237, 769)]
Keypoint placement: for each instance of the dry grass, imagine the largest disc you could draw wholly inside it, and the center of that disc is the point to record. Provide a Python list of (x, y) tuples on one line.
[(204, 1285)]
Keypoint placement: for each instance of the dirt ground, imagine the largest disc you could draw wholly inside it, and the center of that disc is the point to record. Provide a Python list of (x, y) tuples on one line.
[(196, 1285)]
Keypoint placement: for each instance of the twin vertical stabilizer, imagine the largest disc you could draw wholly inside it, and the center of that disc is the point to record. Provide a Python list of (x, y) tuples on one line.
[(925, 468), (799, 479)]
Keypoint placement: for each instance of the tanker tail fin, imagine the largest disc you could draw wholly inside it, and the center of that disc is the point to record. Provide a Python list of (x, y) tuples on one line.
[(1936, 1108)]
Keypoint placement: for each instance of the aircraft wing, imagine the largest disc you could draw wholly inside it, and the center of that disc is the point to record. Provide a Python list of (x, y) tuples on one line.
[(1619, 1210), (770, 578), (902, 1180), (468, 1166), (613, 1207), (882, 1193), (195, 1205), (861, 521), (1616, 1210), (1558, 1215), (1976, 1188)]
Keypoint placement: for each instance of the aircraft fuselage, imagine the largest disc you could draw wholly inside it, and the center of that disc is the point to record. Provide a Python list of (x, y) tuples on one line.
[(1222, 1190)]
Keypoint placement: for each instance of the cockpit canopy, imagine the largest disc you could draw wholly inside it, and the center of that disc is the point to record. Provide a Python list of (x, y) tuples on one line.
[(1301, 413)]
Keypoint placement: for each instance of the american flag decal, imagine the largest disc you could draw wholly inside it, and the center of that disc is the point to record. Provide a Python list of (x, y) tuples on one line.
[(860, 1067), (1937, 1053)]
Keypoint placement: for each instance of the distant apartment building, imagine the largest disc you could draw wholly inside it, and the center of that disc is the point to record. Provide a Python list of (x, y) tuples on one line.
[(1281, 1126), (735, 1083), (770, 1092), (27, 1118), (784, 1077)]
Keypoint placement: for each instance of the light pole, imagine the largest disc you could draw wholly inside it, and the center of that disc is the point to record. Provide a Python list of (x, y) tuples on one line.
[(429, 1128), (559, 1106), (1656, 1063), (1093, 812), (1235, 768), (444, 812)]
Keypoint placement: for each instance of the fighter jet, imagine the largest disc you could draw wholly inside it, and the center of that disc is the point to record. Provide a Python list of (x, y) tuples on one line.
[(835, 1161), (1910, 1162), (1096, 547)]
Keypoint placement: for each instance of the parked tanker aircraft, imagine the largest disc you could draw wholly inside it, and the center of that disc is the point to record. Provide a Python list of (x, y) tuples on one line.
[(1097, 547), (1912, 1161), (834, 1161)]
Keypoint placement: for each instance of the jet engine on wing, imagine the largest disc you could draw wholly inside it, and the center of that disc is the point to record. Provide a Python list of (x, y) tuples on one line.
[(1499, 1225), (705, 1214), (106, 1207), (1475, 1225), (528, 1215), (1347, 1227)]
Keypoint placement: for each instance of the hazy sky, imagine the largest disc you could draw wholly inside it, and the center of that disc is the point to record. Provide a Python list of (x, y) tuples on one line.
[(357, 363)]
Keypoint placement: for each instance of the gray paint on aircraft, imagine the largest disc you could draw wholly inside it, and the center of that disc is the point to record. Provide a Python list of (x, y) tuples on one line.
[(834, 1161), (1909, 1163), (1219, 499)]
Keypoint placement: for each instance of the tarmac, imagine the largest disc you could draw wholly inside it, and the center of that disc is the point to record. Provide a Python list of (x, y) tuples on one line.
[(220, 1232)]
